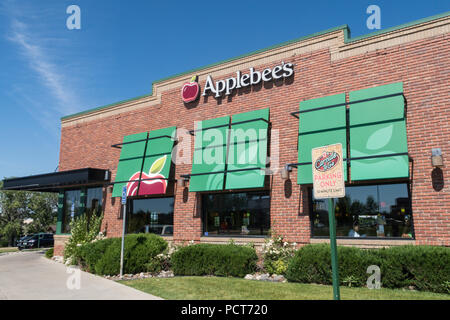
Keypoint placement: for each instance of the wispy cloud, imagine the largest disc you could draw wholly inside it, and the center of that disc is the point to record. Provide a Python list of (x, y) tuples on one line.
[(41, 59)]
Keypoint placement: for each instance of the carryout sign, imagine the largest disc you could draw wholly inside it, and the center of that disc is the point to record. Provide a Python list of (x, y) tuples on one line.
[(218, 88)]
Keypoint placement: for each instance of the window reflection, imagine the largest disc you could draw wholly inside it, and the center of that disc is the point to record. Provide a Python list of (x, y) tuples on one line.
[(367, 211), (238, 214), (153, 215), (71, 208), (94, 201)]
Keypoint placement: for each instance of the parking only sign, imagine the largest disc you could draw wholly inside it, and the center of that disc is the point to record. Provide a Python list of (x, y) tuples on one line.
[(328, 172), (124, 195)]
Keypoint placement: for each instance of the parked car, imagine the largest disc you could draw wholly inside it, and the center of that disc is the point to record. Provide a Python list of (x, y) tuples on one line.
[(39, 240), (20, 242)]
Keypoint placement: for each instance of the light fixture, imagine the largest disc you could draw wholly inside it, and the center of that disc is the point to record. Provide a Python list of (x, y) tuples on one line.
[(181, 182), (436, 158), (285, 172)]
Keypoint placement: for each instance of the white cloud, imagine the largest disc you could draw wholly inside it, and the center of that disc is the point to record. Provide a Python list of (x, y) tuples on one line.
[(40, 62)]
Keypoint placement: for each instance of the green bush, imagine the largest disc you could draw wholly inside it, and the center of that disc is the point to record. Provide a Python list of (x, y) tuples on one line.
[(423, 267), (103, 256), (212, 259), (3, 243), (49, 253), (276, 254), (84, 229)]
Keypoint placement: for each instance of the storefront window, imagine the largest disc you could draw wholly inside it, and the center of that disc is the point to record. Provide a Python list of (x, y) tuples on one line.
[(153, 215), (94, 201), (375, 211), (71, 208), (236, 214)]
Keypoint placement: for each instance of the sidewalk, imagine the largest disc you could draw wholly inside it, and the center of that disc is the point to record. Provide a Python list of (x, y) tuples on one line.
[(31, 276)]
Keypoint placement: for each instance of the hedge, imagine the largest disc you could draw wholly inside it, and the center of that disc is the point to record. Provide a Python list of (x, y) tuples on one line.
[(103, 257), (212, 259), (423, 267)]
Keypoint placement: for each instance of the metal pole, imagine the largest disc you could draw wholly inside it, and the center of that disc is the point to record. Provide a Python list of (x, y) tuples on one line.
[(334, 256), (123, 239)]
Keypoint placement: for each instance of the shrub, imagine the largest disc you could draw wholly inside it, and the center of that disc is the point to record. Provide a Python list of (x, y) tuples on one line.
[(163, 261), (49, 253), (212, 259), (103, 256), (424, 267), (3, 243), (84, 230), (276, 254)]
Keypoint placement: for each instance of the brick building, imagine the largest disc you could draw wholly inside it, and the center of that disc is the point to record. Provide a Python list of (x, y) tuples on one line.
[(384, 97)]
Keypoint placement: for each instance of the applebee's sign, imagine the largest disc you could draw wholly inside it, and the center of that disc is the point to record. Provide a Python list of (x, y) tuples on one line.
[(191, 89)]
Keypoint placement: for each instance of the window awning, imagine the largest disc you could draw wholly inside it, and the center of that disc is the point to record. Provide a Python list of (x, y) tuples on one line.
[(210, 148), (53, 182), (376, 123), (230, 155), (378, 146), (145, 162), (322, 122)]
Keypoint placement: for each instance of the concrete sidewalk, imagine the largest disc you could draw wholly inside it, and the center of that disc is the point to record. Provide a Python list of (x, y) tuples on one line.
[(31, 276)]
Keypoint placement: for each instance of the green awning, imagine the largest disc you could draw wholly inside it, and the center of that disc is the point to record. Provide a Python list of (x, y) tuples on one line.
[(378, 133), (322, 121), (157, 161), (145, 162), (247, 152), (130, 161), (211, 138)]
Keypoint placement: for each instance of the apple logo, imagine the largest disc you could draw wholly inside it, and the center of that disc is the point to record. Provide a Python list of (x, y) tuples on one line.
[(190, 90), (157, 183)]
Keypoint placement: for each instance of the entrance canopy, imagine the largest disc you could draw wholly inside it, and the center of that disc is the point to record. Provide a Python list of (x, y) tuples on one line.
[(53, 182)]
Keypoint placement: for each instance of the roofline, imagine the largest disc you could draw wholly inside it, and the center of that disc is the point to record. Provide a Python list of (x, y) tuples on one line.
[(347, 39)]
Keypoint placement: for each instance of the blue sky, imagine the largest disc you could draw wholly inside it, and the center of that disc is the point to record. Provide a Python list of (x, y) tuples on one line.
[(48, 71)]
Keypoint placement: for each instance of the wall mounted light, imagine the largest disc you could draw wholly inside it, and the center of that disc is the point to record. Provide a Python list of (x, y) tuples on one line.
[(181, 182), (285, 172), (436, 158)]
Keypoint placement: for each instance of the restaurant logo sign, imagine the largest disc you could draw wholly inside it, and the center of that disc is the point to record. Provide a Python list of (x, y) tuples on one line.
[(190, 90), (328, 172), (326, 161), (241, 80)]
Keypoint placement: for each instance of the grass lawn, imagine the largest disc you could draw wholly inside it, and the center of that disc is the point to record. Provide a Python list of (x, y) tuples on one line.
[(8, 249), (217, 288)]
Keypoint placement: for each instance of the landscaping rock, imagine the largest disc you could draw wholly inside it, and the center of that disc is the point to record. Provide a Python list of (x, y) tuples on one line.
[(59, 259), (265, 277)]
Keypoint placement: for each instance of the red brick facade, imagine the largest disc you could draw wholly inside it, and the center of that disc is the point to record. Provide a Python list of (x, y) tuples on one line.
[(422, 65)]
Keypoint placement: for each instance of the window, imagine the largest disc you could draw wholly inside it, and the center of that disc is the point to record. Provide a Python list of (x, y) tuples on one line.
[(375, 211), (94, 201), (72, 206), (152, 215), (236, 214)]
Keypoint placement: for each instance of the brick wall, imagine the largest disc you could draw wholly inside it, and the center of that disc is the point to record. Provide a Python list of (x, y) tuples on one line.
[(422, 66)]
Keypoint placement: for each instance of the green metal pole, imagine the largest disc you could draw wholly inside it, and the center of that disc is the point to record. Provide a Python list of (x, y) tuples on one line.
[(334, 256)]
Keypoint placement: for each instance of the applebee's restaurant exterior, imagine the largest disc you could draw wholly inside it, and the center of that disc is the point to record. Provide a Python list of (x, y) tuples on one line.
[(224, 151)]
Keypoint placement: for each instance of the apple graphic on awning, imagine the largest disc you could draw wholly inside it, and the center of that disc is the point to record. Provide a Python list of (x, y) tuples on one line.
[(150, 183), (190, 90)]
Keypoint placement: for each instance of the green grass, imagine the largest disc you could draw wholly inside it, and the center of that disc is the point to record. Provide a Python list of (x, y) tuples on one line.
[(8, 249), (218, 288)]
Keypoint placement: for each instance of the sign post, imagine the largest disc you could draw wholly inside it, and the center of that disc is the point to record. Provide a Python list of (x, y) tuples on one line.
[(124, 217), (328, 183)]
